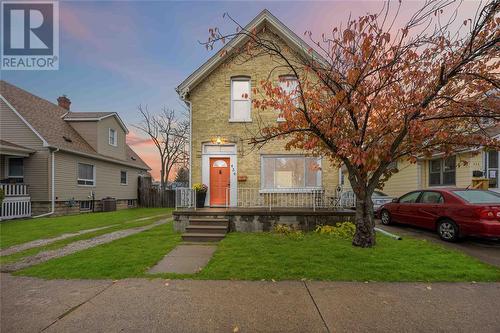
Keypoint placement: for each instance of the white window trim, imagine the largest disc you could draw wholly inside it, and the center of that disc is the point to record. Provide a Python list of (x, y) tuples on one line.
[(309, 189), (442, 159), (78, 178), (7, 167), (486, 168), (245, 79), (86, 209), (115, 136), (126, 177), (282, 78)]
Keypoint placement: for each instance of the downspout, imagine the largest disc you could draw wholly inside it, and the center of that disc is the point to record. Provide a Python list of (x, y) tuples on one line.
[(52, 180), (190, 142)]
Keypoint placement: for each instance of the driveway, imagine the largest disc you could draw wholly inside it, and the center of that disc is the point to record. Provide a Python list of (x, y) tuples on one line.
[(485, 250), (139, 305)]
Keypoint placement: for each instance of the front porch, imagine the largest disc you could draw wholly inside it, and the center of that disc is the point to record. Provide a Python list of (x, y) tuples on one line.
[(17, 202), (258, 219)]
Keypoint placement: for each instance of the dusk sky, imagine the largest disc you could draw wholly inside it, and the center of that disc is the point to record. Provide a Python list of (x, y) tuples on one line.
[(115, 56)]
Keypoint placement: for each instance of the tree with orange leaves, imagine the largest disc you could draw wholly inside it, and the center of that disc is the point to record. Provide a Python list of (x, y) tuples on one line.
[(369, 94)]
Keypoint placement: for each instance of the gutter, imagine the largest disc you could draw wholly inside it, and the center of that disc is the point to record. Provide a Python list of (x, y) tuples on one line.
[(53, 184)]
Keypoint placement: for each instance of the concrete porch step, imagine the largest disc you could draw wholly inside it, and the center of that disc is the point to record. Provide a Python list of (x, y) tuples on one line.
[(209, 221), (206, 229), (202, 237)]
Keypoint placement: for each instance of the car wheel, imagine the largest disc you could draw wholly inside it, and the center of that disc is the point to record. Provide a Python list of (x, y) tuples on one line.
[(448, 230), (385, 217)]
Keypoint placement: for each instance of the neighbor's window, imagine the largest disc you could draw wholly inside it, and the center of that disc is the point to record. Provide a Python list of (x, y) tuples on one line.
[(241, 104), (290, 172), (86, 174), (123, 177), (491, 168), (442, 172), (16, 168), (290, 87), (85, 205), (112, 137)]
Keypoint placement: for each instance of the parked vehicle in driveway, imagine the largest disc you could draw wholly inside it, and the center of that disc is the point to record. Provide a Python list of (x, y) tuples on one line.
[(453, 213), (348, 199)]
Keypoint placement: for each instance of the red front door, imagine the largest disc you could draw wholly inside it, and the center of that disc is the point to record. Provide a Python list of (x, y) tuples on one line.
[(219, 181)]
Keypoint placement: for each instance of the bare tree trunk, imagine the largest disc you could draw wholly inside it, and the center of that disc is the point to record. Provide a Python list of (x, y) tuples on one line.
[(364, 219)]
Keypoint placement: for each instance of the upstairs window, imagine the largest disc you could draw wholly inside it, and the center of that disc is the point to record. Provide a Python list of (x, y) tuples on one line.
[(123, 177), (15, 168), (442, 172), (290, 87), (240, 99), (112, 137), (86, 174)]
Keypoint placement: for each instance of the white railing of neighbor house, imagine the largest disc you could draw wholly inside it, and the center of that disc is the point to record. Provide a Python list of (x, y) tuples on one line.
[(258, 198), (17, 202)]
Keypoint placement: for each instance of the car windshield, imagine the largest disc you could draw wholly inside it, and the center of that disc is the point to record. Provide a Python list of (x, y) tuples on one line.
[(478, 196), (379, 194)]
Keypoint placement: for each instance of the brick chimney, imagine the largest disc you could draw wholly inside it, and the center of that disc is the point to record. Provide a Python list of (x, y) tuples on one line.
[(64, 102)]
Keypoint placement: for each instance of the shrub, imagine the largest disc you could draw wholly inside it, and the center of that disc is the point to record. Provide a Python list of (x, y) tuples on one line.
[(340, 230), (2, 195), (289, 231)]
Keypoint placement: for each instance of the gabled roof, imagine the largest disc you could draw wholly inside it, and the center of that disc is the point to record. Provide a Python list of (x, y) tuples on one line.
[(47, 121), (264, 18), (94, 116)]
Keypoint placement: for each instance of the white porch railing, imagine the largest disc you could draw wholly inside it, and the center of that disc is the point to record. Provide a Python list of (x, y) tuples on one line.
[(17, 202), (258, 198)]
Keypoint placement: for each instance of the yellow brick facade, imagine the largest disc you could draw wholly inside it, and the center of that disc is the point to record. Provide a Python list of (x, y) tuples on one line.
[(211, 107)]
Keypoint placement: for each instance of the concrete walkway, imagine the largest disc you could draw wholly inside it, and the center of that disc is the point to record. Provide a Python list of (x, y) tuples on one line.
[(142, 305), (77, 246), (185, 259)]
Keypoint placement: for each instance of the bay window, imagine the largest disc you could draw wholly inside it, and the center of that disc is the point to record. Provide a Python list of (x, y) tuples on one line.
[(442, 172), (241, 103), (290, 172)]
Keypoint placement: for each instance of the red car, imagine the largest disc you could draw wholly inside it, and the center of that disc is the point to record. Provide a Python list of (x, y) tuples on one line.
[(453, 213)]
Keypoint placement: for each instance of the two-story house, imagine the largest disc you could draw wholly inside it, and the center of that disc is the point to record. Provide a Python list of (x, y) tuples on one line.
[(65, 161), (219, 94)]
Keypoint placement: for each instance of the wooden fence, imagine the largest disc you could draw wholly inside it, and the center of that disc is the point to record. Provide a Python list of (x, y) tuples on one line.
[(152, 197)]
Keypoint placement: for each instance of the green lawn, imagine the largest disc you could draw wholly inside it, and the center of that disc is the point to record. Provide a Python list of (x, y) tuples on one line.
[(255, 256), (16, 232), (127, 257), (63, 242)]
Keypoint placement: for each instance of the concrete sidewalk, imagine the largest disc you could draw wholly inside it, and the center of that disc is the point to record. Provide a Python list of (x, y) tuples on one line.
[(142, 305)]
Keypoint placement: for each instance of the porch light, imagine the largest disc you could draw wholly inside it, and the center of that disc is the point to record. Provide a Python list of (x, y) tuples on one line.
[(218, 140)]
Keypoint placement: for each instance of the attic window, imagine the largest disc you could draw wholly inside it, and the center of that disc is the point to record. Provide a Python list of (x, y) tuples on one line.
[(67, 139)]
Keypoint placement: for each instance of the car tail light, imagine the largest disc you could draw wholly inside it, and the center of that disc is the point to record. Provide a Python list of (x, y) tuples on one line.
[(488, 213)]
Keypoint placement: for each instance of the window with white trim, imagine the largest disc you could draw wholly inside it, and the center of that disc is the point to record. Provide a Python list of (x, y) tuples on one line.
[(85, 205), (123, 178), (290, 87), (241, 104), (491, 167), (290, 172), (86, 174), (113, 141), (442, 172), (15, 167)]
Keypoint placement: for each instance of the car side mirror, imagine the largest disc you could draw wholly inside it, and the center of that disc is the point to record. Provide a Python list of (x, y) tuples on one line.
[(395, 200)]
